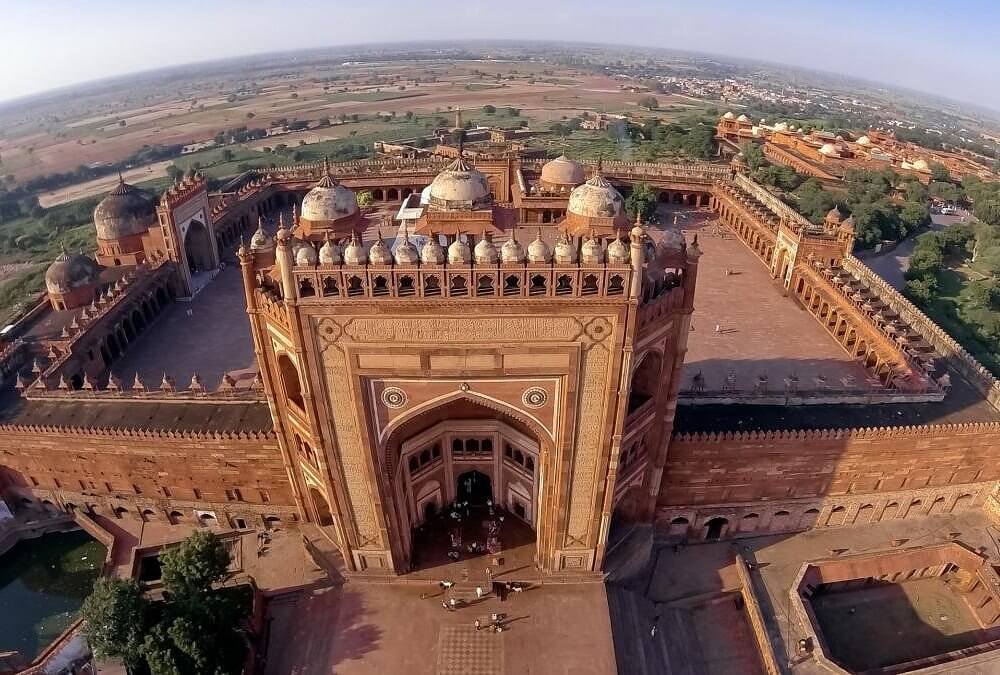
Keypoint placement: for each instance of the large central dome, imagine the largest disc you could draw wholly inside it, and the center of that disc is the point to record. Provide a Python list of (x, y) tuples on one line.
[(597, 198), (459, 187), (562, 171), (126, 211), (329, 206)]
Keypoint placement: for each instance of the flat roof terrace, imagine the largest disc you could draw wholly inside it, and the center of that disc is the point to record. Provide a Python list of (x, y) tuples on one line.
[(209, 335)]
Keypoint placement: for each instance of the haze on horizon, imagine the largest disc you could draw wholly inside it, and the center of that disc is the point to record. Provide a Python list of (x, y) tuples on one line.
[(935, 47)]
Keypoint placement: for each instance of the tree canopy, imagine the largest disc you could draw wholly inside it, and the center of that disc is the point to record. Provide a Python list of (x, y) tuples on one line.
[(642, 201), (196, 629)]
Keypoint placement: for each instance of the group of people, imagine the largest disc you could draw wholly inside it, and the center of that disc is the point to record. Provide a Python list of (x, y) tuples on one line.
[(458, 513), (499, 589)]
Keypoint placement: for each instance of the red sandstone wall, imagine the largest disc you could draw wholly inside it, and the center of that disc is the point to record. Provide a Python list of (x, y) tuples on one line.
[(162, 468), (704, 470)]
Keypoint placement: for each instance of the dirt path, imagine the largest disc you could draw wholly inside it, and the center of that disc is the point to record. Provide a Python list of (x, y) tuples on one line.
[(101, 185)]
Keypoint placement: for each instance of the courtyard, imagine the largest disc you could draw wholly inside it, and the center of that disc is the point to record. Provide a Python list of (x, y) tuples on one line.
[(743, 325), (879, 626), (210, 336), (366, 628)]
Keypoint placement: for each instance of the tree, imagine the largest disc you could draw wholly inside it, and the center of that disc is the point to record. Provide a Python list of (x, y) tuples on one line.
[(195, 564), (251, 115), (365, 198), (939, 172), (649, 102), (489, 109), (114, 615), (513, 112), (753, 154), (914, 215), (641, 201)]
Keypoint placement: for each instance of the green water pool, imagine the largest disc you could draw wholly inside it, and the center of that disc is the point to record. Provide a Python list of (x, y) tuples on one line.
[(43, 582)]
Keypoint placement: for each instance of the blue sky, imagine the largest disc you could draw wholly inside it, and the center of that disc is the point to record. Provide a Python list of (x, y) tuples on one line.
[(941, 46)]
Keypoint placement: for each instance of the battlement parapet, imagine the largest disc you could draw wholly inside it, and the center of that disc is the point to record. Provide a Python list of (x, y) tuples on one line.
[(180, 192), (854, 433), (229, 390), (150, 433)]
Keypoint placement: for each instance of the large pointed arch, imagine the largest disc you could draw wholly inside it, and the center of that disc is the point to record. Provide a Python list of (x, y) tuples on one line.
[(537, 427)]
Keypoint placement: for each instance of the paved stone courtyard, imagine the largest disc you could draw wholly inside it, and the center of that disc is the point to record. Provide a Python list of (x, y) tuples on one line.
[(879, 626), (213, 340), (366, 628), (760, 330)]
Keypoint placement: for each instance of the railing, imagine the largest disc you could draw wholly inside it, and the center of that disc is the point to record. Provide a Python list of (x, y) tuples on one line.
[(775, 205)]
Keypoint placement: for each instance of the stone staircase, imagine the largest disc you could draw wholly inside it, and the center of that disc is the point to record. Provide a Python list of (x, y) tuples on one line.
[(673, 651)]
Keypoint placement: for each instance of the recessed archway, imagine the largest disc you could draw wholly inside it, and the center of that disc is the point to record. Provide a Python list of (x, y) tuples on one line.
[(464, 464), (198, 247)]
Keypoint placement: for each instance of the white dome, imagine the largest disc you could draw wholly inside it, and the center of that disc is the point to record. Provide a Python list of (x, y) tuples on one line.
[(597, 198), (330, 253), (306, 255), (565, 251), (592, 253), (406, 252), (618, 253), (562, 171), (538, 250), (458, 252), (512, 251), (485, 252), (781, 126), (425, 196), (864, 140), (459, 188), (729, 116), (742, 118), (432, 252), (329, 201), (354, 252), (380, 253), (828, 149), (921, 165)]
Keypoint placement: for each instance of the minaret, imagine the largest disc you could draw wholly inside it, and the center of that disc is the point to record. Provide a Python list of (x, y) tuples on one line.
[(637, 248)]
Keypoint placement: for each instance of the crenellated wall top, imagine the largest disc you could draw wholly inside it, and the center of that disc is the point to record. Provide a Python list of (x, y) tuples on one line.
[(859, 433)]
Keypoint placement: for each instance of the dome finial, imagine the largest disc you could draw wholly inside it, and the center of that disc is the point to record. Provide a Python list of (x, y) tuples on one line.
[(121, 178), (326, 165)]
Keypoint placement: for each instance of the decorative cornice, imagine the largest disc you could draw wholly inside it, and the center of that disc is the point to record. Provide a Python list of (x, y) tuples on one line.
[(853, 433)]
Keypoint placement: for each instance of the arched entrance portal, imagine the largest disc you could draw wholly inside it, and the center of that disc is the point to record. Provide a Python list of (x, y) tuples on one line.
[(198, 247), (474, 488), (468, 484)]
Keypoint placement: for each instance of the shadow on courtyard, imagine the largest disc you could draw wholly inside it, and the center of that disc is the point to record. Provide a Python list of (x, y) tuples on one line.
[(962, 403)]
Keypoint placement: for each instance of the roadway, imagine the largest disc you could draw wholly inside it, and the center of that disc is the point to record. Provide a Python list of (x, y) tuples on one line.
[(892, 264)]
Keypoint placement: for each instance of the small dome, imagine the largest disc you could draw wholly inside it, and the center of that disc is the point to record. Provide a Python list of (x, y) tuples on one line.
[(459, 188), (618, 252), (538, 250), (592, 252), (597, 198), (834, 215), (848, 224), (425, 196), (921, 165), (329, 201), (828, 149), (458, 252), (512, 251), (565, 251), (380, 253), (354, 252), (742, 118), (260, 239), (127, 210), (864, 140), (330, 253), (406, 253), (562, 171), (432, 252), (781, 126), (69, 271), (486, 252), (306, 255), (729, 116)]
